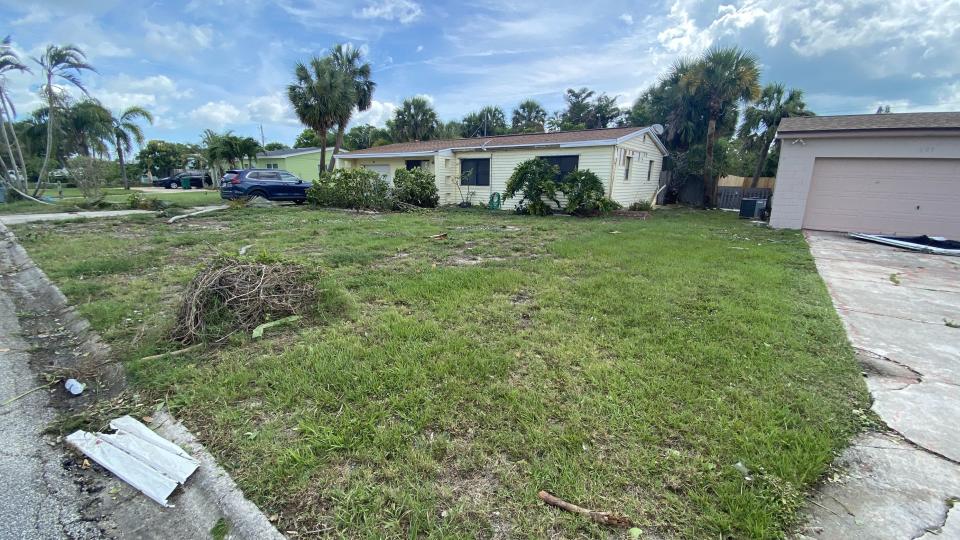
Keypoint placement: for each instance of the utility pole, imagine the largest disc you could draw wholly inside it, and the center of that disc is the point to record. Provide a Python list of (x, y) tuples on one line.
[(263, 142)]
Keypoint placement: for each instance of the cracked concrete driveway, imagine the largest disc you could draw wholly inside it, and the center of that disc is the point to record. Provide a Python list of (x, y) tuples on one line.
[(898, 308)]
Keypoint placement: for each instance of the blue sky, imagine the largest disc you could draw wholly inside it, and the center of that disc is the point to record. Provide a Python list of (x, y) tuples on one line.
[(224, 64)]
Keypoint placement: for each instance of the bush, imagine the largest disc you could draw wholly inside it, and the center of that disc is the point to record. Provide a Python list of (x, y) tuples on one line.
[(89, 175), (641, 206), (584, 192), (534, 178), (417, 187), (358, 189)]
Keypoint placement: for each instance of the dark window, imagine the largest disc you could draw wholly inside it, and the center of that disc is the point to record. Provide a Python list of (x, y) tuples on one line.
[(475, 172), (414, 163), (567, 164), (253, 176), (626, 169), (269, 176), (649, 170)]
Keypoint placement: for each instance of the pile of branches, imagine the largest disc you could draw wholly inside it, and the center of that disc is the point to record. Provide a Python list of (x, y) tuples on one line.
[(234, 295)]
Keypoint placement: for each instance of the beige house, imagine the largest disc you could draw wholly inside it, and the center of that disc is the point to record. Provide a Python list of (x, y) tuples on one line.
[(627, 160), (873, 173)]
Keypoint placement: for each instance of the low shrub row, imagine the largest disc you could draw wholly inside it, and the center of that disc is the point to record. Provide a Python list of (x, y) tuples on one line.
[(535, 180), (363, 189)]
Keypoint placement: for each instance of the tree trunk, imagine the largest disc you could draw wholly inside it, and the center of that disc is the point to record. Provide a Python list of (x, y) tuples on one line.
[(337, 145), (323, 148), (763, 160), (123, 167), (50, 116), (6, 141), (709, 192), (7, 119)]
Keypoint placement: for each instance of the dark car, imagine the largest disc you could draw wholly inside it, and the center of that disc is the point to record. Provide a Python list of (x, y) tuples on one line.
[(198, 180), (271, 184)]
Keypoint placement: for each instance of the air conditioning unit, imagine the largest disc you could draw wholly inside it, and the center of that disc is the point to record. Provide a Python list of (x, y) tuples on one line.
[(752, 208)]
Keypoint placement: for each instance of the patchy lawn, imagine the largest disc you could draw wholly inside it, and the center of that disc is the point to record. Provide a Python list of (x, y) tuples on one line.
[(620, 364), (72, 197)]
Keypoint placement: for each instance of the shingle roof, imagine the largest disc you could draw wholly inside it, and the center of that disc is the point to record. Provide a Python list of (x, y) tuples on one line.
[(865, 122), (290, 151), (556, 137)]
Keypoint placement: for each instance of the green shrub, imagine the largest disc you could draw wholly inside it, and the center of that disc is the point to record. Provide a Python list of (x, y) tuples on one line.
[(641, 206), (534, 179), (417, 187), (359, 189), (584, 192)]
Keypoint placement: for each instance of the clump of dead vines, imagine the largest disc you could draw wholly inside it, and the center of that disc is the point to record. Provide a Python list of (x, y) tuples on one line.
[(235, 295)]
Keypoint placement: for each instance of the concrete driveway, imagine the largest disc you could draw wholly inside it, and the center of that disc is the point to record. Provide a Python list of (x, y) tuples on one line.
[(899, 308)]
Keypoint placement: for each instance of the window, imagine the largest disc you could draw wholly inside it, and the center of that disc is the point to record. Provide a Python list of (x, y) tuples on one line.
[(626, 168), (475, 172), (566, 164), (269, 176), (414, 163), (649, 170)]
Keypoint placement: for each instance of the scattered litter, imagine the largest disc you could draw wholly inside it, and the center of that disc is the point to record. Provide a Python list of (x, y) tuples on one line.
[(739, 466), (441, 236), (243, 250), (614, 232), (924, 244), (258, 331), (604, 518), (138, 456), (177, 352), (74, 386)]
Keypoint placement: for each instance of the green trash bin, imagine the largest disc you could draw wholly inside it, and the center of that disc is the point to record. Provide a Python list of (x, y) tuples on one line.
[(185, 182)]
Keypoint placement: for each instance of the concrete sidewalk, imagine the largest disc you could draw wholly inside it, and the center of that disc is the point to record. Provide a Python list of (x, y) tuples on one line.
[(16, 219), (895, 305)]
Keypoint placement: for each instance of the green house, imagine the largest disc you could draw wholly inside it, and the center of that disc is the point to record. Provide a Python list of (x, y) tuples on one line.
[(303, 162)]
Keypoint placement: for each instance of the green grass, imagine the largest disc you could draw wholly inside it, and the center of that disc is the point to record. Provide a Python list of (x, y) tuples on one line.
[(72, 197), (623, 365)]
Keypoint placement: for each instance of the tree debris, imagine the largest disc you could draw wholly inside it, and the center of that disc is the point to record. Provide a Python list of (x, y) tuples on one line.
[(441, 236), (604, 518)]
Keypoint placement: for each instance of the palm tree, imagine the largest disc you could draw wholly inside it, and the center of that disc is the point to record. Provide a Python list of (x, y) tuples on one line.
[(87, 128), (126, 132), (347, 59), (489, 120), (10, 62), (59, 64), (319, 96), (578, 107), (528, 117), (415, 120), (603, 112), (723, 77), (761, 120), (248, 148)]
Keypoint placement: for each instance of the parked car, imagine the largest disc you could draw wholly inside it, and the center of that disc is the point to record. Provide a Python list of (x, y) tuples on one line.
[(271, 184), (198, 180)]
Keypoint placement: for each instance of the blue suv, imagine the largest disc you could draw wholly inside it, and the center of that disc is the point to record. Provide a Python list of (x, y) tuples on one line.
[(271, 184)]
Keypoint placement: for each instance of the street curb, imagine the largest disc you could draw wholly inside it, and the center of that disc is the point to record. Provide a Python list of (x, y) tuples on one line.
[(210, 494)]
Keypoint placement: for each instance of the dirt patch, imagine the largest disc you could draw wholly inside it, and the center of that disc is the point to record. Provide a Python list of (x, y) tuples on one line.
[(470, 260), (632, 214)]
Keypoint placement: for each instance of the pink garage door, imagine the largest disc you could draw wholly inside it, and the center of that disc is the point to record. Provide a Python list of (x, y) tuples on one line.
[(890, 196)]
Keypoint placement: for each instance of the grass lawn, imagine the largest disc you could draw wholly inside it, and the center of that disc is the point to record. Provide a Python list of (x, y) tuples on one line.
[(623, 365), (72, 196)]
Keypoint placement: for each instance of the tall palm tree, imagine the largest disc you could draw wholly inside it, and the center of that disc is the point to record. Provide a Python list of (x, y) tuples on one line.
[(10, 62), (88, 128), (126, 132), (414, 120), (249, 147), (528, 117), (59, 64), (348, 60), (723, 77), (761, 120), (489, 120), (319, 95)]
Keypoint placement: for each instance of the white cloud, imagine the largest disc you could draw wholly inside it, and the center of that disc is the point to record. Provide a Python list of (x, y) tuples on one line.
[(274, 108), (36, 14), (377, 115), (217, 113), (177, 39), (419, 48), (404, 11), (627, 19)]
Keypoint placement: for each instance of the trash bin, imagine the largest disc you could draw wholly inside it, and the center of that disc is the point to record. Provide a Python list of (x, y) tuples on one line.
[(185, 182)]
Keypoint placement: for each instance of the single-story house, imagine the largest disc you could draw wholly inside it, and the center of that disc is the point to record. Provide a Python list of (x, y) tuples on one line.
[(627, 160), (303, 162), (871, 173)]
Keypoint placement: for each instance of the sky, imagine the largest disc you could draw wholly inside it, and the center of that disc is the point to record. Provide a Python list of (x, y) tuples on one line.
[(225, 64)]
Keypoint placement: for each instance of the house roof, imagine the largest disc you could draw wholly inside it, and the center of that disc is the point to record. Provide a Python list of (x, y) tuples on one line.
[(870, 122), (287, 152), (586, 137)]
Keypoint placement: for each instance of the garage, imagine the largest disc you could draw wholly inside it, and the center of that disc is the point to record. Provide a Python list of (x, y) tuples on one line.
[(887, 173)]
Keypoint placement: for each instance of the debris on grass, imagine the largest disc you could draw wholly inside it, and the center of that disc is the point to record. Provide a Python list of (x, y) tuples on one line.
[(441, 236), (603, 518), (177, 352), (174, 219), (244, 249), (232, 296), (258, 331), (74, 386)]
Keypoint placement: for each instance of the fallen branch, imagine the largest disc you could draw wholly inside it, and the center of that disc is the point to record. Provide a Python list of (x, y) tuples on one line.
[(243, 250), (28, 392), (258, 331), (177, 352), (604, 518), (174, 219), (441, 236)]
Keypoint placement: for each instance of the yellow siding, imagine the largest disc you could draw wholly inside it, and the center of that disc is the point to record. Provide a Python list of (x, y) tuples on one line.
[(636, 187)]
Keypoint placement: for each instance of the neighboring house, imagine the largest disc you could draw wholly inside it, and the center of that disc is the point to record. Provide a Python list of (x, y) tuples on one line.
[(627, 160), (872, 173), (303, 162)]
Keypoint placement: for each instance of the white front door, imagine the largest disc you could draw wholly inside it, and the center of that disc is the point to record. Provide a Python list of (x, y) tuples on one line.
[(382, 170)]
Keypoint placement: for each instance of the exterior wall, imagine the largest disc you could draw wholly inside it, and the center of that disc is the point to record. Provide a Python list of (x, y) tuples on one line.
[(598, 159), (628, 190), (795, 171)]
